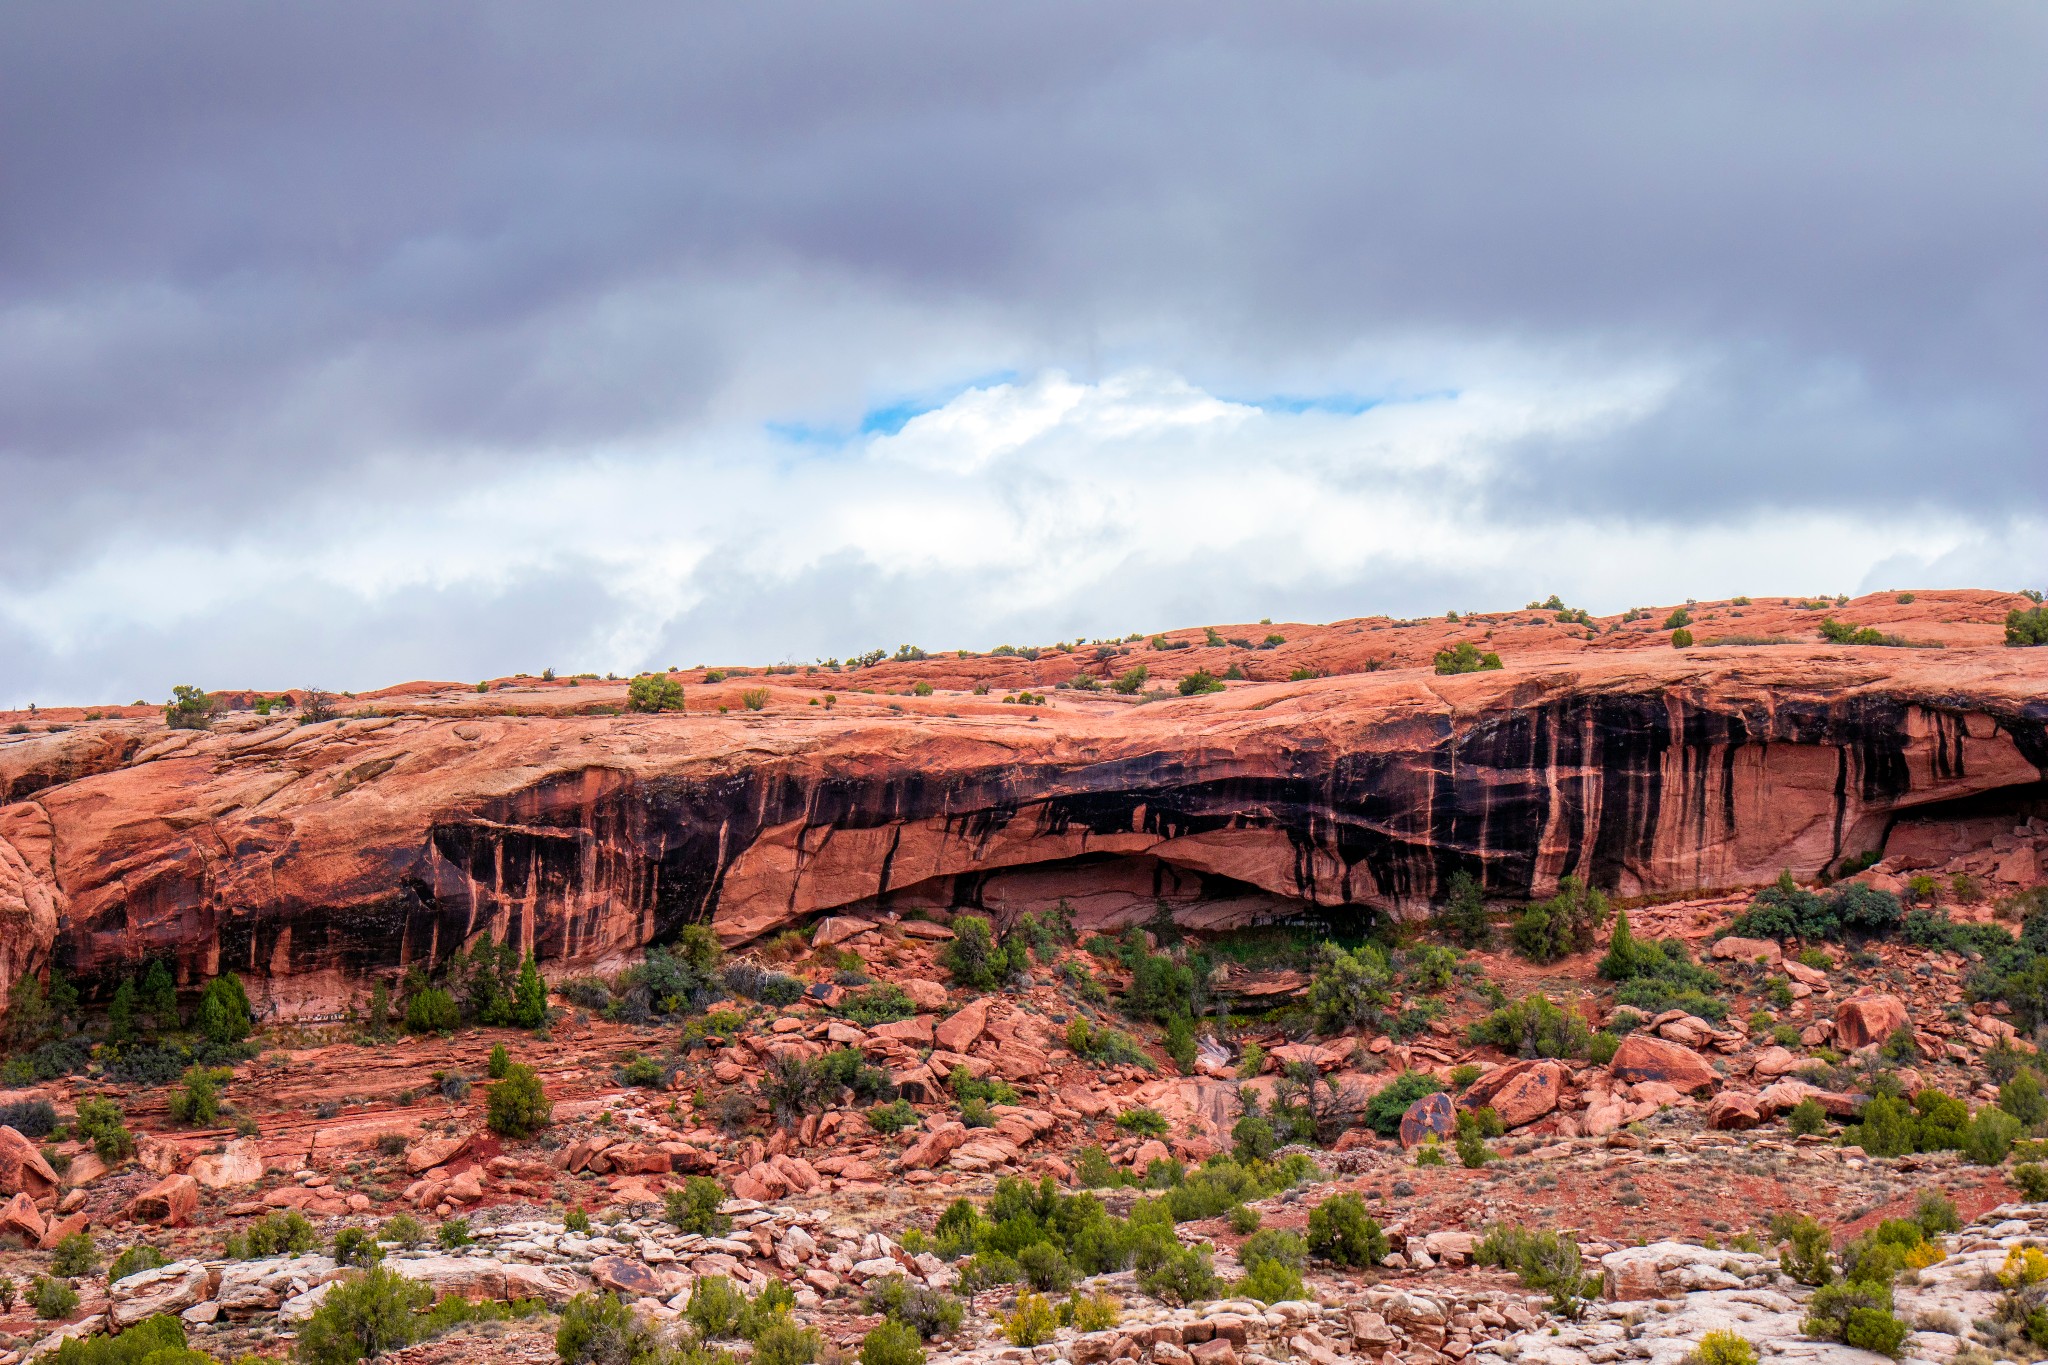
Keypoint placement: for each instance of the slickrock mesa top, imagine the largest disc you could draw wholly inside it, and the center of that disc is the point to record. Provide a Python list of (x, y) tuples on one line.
[(305, 855)]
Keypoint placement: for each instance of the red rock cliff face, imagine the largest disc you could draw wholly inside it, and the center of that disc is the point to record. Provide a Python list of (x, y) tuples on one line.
[(307, 857)]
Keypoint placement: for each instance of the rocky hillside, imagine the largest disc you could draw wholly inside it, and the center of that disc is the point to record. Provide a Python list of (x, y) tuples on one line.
[(1626, 1001)]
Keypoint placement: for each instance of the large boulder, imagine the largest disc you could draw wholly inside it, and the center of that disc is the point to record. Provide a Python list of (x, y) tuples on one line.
[(430, 1152), (22, 1168), (1731, 1110), (167, 1289), (171, 1201), (1655, 1059), (57, 1229), (1761, 950), (476, 1277), (1429, 1117), (962, 1030), (916, 1029), (1520, 1092), (1669, 1270), (20, 1216), (934, 1147), (633, 1278), (250, 1287), (239, 1163), (926, 995), (1868, 1019), (1774, 1062), (1781, 1097), (553, 1285)]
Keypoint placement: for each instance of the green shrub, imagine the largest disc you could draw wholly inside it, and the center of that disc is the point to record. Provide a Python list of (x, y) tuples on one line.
[(357, 1247), (1143, 1120), (930, 1313), (224, 1014), (654, 693), (1348, 989), (1272, 1244), (1180, 1043), (1785, 910), (432, 1010), (1252, 1138), (1471, 1142), (1093, 1170), (453, 1234), (362, 1318), (1096, 1312), (1104, 1046), (1032, 1322), (2026, 626), (402, 1230), (636, 1070), (159, 1339), (1564, 924), (134, 1261), (53, 1299), (1806, 1254), (892, 1117), (1989, 1138), (191, 709), (600, 1329), (1340, 1231), (891, 1343), (1534, 1026), (1681, 638), (2022, 1098), (1547, 1261), (754, 698), (715, 1307), (1384, 1110), (1807, 1118), (882, 1004), (518, 1105), (75, 1254), (1722, 1347), (1270, 1282), (1856, 1313), (694, 1207), (1046, 1267), (1462, 915), (1199, 682), (973, 957), (284, 1233), (767, 1308), (1465, 658), (782, 1342), (1183, 1275), (197, 1101), (100, 1123), (1935, 1213)]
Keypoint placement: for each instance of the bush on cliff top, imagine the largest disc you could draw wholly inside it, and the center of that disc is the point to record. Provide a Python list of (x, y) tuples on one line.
[(1465, 658)]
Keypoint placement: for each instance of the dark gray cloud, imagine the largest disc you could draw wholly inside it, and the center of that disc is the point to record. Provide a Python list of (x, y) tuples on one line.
[(259, 260)]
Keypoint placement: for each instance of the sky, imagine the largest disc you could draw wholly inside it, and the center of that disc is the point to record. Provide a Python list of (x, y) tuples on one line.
[(343, 345)]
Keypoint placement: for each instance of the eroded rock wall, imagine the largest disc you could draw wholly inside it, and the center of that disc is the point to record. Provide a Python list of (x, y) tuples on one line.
[(316, 854)]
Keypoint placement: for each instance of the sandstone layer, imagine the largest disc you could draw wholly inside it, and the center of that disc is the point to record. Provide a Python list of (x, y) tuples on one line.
[(307, 856)]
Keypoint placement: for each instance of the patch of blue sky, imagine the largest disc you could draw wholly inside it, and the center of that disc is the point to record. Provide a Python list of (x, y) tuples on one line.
[(885, 419), (1338, 404)]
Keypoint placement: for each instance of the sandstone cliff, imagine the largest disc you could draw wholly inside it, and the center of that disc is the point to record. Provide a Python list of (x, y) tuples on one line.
[(307, 856)]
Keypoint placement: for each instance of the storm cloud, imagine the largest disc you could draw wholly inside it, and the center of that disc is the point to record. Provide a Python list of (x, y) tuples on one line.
[(352, 343)]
